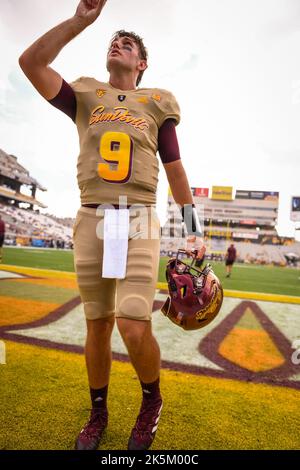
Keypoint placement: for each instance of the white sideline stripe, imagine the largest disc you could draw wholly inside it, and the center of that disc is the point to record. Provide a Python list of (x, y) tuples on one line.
[(9, 275)]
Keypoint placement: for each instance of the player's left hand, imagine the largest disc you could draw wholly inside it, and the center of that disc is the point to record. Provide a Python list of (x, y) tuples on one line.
[(195, 243)]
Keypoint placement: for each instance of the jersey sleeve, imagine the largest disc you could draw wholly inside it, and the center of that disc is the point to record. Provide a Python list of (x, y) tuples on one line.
[(168, 108), (65, 100), (168, 147)]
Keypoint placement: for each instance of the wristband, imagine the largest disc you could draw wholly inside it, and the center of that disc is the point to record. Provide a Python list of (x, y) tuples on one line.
[(191, 220)]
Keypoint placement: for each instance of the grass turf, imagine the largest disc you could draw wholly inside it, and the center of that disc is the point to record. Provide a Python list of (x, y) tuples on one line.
[(44, 401), (61, 260), (267, 279)]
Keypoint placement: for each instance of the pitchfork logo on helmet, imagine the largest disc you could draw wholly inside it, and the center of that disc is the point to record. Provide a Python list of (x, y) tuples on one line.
[(196, 296)]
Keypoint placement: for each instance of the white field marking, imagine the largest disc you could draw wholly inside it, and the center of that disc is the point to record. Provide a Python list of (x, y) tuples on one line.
[(171, 338), (2, 353), (9, 275), (176, 344)]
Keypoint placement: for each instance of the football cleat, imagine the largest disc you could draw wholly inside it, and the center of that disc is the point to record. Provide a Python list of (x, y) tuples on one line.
[(90, 435), (143, 433), (195, 296)]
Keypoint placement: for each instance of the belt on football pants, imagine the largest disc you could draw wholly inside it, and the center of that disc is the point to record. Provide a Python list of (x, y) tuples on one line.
[(116, 206)]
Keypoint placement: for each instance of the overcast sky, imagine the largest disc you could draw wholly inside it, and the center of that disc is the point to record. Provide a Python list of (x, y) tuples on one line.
[(233, 65)]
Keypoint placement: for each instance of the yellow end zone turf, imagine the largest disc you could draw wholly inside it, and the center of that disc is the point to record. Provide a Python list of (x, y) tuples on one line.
[(45, 402), (14, 311)]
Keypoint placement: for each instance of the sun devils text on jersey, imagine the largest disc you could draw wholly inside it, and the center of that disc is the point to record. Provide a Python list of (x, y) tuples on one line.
[(118, 133)]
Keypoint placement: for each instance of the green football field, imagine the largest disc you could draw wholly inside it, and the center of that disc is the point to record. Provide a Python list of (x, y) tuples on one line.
[(266, 279)]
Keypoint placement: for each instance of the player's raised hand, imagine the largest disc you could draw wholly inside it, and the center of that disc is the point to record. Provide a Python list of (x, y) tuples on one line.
[(89, 10)]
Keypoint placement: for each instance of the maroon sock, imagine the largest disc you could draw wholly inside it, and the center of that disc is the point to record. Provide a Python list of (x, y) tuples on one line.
[(98, 397), (151, 391)]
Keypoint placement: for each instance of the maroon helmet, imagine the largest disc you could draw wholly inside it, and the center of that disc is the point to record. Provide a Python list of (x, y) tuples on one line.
[(195, 297)]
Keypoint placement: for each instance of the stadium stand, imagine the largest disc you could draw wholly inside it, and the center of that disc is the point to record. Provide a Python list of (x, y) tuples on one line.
[(25, 225), (247, 218), (12, 177), (251, 253)]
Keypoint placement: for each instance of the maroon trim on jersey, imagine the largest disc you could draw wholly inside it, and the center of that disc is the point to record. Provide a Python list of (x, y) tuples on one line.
[(167, 142), (168, 147), (65, 100), (2, 227)]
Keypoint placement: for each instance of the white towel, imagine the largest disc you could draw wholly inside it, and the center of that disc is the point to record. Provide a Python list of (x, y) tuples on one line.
[(115, 243)]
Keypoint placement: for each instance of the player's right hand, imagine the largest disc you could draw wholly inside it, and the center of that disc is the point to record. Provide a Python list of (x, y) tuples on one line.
[(194, 243), (89, 10)]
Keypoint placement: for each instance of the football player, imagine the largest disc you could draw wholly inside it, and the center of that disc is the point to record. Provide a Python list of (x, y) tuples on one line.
[(121, 128), (230, 258)]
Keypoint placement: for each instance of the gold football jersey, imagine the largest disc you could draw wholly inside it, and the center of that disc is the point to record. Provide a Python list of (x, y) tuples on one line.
[(118, 132)]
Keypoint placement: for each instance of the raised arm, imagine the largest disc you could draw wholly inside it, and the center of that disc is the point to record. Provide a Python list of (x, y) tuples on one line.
[(36, 59)]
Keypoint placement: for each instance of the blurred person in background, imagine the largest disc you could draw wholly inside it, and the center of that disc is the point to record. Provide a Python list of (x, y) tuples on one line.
[(230, 259)]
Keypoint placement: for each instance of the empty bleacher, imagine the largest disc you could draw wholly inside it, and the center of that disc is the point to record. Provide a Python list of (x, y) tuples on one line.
[(30, 224)]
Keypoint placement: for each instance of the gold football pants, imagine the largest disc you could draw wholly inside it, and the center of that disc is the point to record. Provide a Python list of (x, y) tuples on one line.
[(131, 297)]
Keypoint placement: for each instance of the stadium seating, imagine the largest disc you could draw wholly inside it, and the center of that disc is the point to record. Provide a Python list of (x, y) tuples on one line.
[(27, 223), (246, 252)]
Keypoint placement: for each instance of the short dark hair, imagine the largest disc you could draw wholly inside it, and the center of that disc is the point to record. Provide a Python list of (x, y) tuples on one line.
[(143, 53)]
